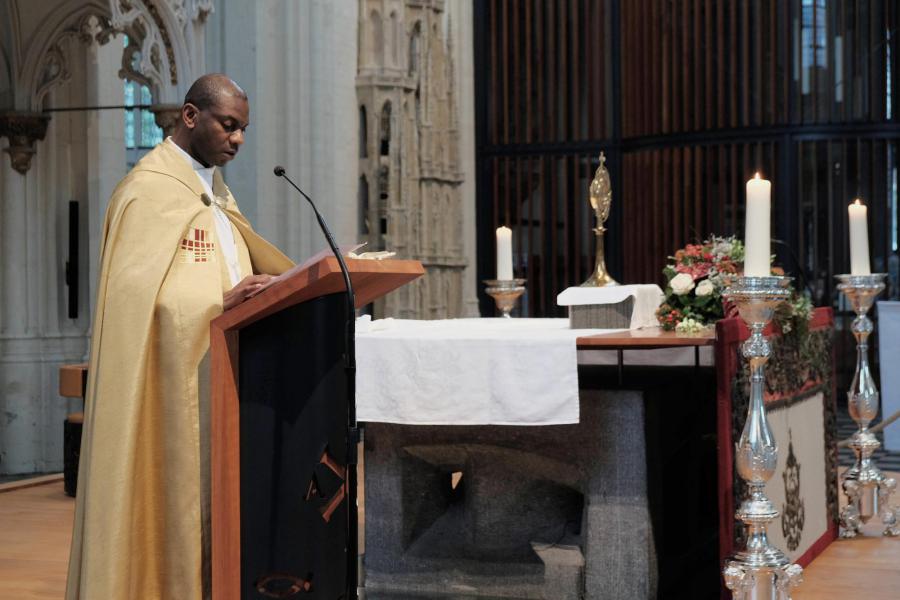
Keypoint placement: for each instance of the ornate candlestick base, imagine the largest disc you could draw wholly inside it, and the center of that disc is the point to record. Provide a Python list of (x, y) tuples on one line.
[(761, 571), (868, 490), (505, 293), (600, 277)]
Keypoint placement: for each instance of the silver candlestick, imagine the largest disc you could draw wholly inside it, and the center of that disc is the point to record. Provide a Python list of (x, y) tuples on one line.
[(868, 490), (505, 293), (761, 571)]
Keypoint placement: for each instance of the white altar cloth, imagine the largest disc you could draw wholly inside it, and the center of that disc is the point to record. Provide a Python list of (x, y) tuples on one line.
[(468, 371)]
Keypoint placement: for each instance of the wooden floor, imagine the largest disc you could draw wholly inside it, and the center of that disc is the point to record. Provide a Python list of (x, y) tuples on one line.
[(35, 531), (864, 567)]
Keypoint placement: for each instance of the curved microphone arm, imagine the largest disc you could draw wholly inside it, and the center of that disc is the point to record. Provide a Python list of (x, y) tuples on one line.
[(351, 297)]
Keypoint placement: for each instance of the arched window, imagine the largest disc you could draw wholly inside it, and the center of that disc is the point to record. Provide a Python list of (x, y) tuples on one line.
[(414, 42), (363, 205), (384, 181), (418, 106), (363, 133), (141, 130), (384, 133), (395, 35), (446, 225), (377, 37)]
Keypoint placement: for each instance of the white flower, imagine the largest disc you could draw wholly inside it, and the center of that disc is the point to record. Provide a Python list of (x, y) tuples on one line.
[(690, 326), (682, 284), (705, 288), (722, 248)]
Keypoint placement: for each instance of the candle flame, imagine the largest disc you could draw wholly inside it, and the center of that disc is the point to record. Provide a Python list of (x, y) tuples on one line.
[(857, 202), (757, 176)]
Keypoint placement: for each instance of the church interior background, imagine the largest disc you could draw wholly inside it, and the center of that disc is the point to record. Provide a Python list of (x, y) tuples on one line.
[(369, 105), (420, 126)]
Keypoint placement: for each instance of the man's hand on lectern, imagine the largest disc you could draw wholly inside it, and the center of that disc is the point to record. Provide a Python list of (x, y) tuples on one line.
[(243, 290)]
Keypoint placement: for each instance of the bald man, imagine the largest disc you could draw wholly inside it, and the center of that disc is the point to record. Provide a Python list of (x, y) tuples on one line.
[(176, 252)]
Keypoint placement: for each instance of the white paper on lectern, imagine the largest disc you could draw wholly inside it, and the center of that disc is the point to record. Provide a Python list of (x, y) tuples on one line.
[(889, 354), (345, 250), (647, 298)]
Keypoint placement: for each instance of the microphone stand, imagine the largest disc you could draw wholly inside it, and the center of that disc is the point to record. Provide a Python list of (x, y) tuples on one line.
[(350, 370)]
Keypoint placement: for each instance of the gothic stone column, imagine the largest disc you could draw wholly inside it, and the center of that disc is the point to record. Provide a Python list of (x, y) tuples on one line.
[(19, 435), (22, 129)]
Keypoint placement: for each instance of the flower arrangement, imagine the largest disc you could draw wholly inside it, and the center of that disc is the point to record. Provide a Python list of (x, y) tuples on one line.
[(695, 278)]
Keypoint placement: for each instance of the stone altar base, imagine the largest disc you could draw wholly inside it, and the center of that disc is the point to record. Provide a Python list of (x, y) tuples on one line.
[(551, 512)]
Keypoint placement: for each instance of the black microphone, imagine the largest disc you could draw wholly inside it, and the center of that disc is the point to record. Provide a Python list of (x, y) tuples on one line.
[(280, 172), (350, 369)]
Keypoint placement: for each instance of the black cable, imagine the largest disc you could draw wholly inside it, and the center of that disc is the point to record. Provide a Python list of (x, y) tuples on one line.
[(90, 108)]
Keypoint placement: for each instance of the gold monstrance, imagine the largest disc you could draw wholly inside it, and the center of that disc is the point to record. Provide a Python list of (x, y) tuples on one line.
[(601, 198)]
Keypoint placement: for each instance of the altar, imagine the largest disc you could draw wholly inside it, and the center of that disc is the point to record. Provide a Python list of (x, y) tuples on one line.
[(633, 497)]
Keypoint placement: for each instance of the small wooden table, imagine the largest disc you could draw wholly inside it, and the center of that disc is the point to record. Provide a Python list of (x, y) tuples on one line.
[(73, 380), (646, 339)]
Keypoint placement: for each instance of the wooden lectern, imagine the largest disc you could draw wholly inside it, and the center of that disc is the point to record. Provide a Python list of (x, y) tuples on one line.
[(280, 437)]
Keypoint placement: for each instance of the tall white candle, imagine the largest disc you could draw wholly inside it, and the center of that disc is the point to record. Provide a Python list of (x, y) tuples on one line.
[(504, 254), (859, 239), (757, 235)]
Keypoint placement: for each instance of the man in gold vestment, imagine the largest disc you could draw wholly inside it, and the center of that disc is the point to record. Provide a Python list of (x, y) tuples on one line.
[(176, 252)]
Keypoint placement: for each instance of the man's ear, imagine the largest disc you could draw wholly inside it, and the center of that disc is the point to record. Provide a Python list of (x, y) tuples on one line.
[(189, 115)]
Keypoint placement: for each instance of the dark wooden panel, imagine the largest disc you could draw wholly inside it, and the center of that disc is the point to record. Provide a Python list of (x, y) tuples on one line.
[(293, 425), (709, 91)]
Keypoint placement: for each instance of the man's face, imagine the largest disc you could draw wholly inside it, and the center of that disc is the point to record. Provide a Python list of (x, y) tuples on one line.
[(216, 133)]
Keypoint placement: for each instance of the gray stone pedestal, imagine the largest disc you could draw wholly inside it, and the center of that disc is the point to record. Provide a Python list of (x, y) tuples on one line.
[(556, 512)]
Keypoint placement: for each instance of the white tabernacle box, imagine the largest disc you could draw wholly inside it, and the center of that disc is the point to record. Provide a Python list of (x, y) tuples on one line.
[(612, 307)]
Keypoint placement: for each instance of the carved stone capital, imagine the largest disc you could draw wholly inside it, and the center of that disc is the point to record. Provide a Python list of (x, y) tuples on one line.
[(22, 129), (166, 117), (201, 10)]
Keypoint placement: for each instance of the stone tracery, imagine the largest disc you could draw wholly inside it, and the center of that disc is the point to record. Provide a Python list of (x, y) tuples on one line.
[(160, 55), (406, 64)]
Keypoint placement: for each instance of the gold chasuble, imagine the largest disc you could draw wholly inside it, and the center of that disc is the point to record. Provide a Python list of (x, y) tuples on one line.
[(138, 511)]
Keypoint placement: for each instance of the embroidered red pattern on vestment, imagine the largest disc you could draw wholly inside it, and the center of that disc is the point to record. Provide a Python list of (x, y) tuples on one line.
[(196, 247)]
